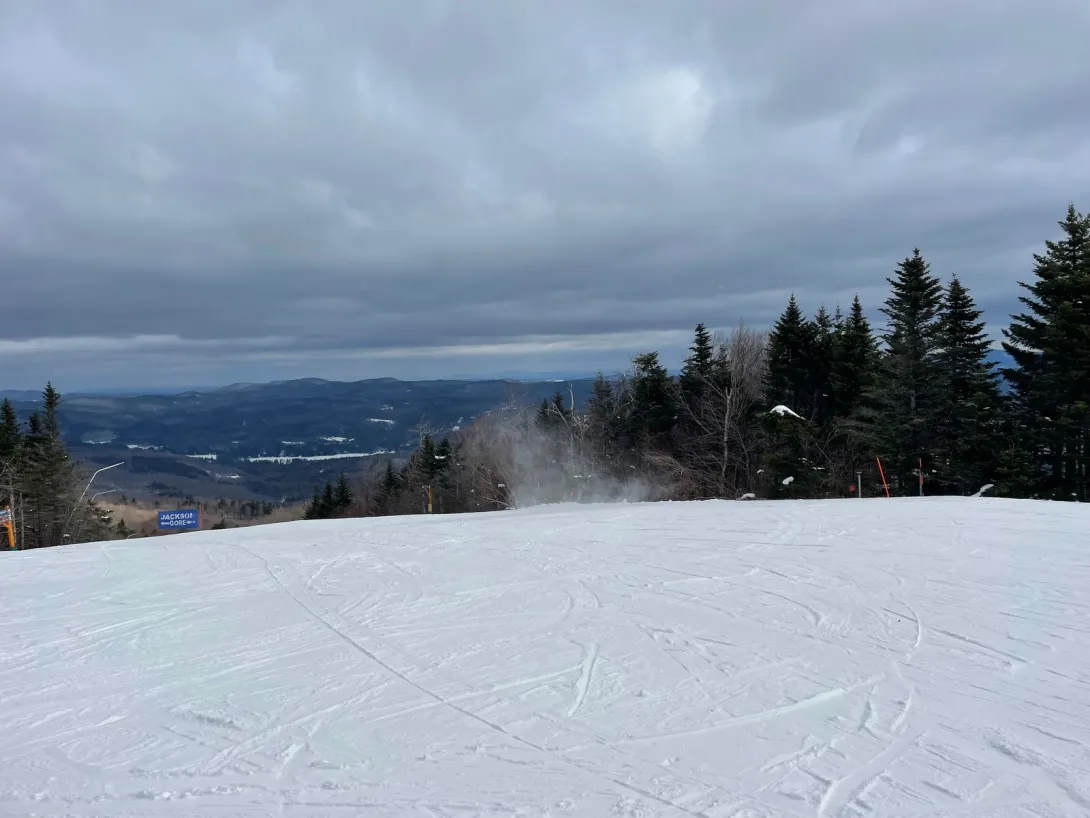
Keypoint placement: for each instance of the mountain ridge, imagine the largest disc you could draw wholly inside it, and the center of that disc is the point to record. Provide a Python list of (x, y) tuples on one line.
[(273, 440)]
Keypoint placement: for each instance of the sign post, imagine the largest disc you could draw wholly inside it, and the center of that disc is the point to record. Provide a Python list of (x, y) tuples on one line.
[(183, 519)]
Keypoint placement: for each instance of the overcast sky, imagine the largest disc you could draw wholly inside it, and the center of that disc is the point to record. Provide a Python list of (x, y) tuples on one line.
[(219, 190)]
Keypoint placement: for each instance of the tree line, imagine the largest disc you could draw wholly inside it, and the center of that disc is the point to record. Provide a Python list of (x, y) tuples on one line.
[(40, 483), (816, 407), (820, 406)]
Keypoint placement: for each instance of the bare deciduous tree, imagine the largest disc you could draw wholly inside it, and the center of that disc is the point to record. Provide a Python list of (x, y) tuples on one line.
[(723, 446)]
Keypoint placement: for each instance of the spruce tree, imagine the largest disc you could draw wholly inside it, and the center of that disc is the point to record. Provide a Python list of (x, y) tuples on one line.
[(653, 412), (1050, 345), (313, 510), (444, 476), (342, 494), (603, 424), (542, 418), (697, 369), (389, 491), (907, 399), (47, 478), (10, 436), (854, 362), (967, 418), (819, 364), (788, 380), (328, 503)]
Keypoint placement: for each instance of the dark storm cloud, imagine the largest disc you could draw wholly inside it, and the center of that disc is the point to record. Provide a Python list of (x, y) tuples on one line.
[(207, 191)]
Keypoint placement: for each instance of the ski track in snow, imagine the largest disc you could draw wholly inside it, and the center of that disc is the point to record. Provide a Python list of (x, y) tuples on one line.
[(911, 658)]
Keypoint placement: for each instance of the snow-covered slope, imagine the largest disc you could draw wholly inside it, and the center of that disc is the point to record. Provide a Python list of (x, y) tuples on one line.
[(876, 657)]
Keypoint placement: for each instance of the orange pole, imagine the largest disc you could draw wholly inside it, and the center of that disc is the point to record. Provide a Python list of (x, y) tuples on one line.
[(9, 527), (885, 485)]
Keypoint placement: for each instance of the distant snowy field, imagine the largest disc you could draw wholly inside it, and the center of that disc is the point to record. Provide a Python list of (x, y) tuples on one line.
[(885, 657)]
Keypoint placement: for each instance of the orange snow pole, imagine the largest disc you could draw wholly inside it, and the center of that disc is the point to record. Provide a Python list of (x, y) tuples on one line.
[(885, 485), (6, 524)]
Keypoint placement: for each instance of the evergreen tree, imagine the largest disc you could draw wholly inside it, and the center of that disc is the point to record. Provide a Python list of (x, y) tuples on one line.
[(342, 494), (424, 464), (313, 510), (10, 436), (604, 425), (797, 370), (819, 367), (1015, 475), (51, 401), (789, 381), (328, 502), (323, 504), (908, 403), (389, 491), (47, 479), (542, 418), (966, 421), (854, 362), (1050, 345), (653, 413), (553, 414), (698, 367), (444, 484)]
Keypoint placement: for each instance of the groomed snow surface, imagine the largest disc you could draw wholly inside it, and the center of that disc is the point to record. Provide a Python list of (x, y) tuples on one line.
[(876, 657)]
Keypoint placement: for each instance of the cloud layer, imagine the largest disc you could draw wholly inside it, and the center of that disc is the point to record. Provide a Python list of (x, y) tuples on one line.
[(206, 191)]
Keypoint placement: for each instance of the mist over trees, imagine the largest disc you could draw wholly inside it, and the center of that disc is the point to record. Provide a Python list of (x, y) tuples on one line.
[(801, 410)]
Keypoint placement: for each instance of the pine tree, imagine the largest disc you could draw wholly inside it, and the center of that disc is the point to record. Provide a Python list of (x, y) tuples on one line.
[(51, 401), (424, 462), (10, 436), (313, 510), (698, 367), (794, 373), (604, 426), (389, 490), (1050, 345), (328, 502), (854, 362), (653, 413), (541, 418), (444, 485), (907, 399), (819, 365), (788, 380), (553, 414), (47, 479), (342, 494), (966, 422)]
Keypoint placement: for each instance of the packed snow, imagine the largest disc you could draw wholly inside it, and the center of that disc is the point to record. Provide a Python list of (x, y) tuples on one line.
[(918, 657)]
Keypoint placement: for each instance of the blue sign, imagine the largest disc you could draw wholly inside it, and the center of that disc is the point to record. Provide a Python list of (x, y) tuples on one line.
[(183, 518)]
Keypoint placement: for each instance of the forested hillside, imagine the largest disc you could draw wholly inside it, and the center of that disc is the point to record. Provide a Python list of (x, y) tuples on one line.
[(804, 410), (822, 405)]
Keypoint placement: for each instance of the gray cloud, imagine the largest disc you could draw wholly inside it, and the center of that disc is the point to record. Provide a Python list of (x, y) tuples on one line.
[(207, 191)]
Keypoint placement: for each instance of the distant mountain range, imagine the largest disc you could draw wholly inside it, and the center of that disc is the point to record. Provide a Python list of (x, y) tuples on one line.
[(273, 440)]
